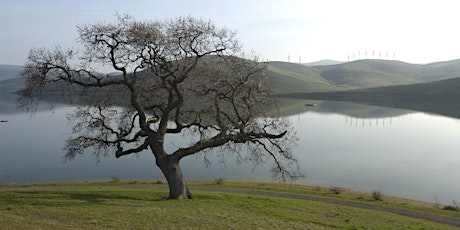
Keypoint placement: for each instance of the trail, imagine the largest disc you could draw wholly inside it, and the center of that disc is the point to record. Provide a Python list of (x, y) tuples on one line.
[(403, 212)]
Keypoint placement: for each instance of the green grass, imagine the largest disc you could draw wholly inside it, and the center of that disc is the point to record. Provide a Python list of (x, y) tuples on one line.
[(344, 195), (371, 73), (141, 205), (290, 77)]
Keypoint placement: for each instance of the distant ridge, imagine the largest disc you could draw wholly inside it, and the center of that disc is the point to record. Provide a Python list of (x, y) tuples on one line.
[(368, 73), (299, 78), (371, 73), (376, 73), (323, 62)]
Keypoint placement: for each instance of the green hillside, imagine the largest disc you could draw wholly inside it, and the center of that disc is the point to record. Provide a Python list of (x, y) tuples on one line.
[(377, 73), (291, 77), (297, 78), (323, 62), (371, 73), (439, 97), (440, 71)]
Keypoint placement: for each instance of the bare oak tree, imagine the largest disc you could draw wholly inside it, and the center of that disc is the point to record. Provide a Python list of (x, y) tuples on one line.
[(180, 76)]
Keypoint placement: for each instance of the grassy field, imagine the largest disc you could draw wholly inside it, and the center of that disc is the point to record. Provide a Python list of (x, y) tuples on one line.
[(141, 205)]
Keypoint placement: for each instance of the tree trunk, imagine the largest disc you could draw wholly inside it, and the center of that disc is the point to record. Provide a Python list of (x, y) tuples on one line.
[(173, 173)]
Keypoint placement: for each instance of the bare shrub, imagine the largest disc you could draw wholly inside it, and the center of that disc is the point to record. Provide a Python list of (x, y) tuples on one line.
[(454, 207), (336, 190), (115, 179), (377, 195), (219, 180), (450, 208)]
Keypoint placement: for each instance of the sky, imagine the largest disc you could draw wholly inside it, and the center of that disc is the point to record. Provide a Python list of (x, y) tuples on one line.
[(413, 31)]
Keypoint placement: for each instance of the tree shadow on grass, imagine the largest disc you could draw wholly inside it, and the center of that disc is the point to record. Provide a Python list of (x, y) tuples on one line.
[(76, 198)]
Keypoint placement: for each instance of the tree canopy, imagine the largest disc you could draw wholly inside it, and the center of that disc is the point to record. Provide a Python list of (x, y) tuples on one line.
[(179, 76)]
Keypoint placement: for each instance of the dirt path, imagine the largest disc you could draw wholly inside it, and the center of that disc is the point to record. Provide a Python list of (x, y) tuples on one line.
[(403, 212)]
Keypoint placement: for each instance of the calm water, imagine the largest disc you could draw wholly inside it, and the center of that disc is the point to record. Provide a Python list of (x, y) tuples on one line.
[(401, 153)]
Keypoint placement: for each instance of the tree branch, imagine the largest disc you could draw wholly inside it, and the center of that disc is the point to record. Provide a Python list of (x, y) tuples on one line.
[(120, 152)]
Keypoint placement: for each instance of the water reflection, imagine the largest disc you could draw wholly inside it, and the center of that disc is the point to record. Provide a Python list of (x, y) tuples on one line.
[(292, 107), (414, 155), (399, 152)]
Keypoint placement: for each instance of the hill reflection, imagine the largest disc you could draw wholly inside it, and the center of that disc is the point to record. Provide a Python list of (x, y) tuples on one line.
[(291, 107)]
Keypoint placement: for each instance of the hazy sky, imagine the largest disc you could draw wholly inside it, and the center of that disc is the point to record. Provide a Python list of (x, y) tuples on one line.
[(414, 31)]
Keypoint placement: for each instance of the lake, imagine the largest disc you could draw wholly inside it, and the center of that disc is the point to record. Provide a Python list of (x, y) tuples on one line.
[(401, 153)]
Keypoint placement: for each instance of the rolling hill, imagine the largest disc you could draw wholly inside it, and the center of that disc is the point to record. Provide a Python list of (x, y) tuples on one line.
[(439, 97), (375, 73), (440, 71), (371, 73), (380, 82), (290, 77), (298, 78), (323, 62)]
